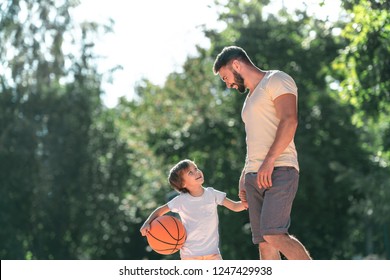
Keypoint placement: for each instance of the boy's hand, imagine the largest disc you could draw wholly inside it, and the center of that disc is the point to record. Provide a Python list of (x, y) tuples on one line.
[(242, 195), (145, 229)]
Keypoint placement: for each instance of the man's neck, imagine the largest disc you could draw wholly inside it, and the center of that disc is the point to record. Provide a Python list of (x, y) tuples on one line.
[(255, 77)]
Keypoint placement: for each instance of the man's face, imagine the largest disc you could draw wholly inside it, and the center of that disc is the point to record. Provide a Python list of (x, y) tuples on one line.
[(232, 78), (239, 82)]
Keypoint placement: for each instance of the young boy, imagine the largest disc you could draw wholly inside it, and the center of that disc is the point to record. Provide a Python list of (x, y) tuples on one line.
[(197, 208)]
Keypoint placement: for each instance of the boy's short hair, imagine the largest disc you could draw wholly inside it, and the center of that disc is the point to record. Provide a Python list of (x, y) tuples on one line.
[(175, 175)]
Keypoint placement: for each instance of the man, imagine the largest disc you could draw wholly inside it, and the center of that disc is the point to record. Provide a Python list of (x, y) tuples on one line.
[(269, 180)]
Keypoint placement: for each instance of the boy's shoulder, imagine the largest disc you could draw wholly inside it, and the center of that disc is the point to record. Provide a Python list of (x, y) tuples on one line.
[(213, 190), (209, 189)]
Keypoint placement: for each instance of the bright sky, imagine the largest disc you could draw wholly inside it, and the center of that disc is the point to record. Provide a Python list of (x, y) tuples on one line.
[(153, 38)]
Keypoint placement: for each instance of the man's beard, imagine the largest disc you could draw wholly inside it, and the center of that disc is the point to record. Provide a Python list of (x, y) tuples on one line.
[(239, 82)]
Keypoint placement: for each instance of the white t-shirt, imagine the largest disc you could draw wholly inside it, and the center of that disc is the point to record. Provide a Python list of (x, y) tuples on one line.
[(261, 122), (200, 219)]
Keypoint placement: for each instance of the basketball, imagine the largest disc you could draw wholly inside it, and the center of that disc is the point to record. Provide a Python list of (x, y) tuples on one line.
[(166, 235)]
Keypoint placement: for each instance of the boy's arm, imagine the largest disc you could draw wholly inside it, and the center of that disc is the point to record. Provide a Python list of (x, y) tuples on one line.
[(241, 187), (235, 206), (156, 213)]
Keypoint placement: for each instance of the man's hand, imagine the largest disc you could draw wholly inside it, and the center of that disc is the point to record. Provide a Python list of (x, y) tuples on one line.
[(264, 174)]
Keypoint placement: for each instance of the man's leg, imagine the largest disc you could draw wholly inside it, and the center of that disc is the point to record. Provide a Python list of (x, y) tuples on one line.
[(288, 245), (275, 218), (267, 252)]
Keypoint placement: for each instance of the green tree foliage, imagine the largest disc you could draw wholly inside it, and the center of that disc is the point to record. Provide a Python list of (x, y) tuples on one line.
[(362, 71), (63, 169), (364, 63)]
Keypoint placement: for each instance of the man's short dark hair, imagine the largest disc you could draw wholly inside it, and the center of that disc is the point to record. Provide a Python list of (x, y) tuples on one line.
[(227, 55)]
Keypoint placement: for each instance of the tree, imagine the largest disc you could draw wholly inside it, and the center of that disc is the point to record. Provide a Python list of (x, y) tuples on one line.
[(361, 72), (63, 170)]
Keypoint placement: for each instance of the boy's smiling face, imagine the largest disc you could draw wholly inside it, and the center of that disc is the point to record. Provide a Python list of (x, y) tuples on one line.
[(192, 177)]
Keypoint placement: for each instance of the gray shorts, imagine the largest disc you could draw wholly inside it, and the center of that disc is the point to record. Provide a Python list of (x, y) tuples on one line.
[(270, 209)]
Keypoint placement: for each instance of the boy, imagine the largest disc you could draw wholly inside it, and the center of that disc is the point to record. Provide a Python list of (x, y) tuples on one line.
[(197, 208)]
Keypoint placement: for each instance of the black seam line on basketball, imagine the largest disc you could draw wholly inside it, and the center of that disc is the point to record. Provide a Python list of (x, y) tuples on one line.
[(173, 250), (150, 234), (177, 230), (178, 233), (163, 250), (161, 240), (177, 227)]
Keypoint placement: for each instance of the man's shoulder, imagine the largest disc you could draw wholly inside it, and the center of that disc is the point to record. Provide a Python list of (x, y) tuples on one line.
[(277, 77), (278, 74)]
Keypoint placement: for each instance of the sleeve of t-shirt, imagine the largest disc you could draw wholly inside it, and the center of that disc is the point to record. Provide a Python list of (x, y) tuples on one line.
[(218, 195), (281, 83), (174, 204)]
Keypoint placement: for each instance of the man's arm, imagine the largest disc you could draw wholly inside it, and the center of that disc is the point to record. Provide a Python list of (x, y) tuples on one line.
[(286, 111)]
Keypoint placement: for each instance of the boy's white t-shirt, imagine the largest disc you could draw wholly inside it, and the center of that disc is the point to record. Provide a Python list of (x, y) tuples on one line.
[(200, 218), (261, 122)]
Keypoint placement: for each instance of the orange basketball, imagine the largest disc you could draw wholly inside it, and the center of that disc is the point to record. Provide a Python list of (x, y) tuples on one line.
[(166, 235)]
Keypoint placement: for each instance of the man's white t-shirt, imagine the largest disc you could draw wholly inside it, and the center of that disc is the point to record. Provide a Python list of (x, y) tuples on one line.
[(261, 122), (200, 218)]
